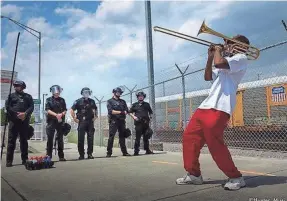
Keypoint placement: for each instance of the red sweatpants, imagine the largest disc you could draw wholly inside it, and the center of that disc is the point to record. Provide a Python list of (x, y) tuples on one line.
[(207, 126)]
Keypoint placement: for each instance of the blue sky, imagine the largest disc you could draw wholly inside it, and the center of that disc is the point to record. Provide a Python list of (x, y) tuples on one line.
[(103, 44)]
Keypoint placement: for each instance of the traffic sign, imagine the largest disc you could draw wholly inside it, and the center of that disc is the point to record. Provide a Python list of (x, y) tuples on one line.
[(37, 101)]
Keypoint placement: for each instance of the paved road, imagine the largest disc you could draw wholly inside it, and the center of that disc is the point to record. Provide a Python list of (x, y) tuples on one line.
[(141, 178)]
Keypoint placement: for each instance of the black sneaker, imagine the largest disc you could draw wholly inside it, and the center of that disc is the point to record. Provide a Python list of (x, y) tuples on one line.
[(90, 156), (126, 154), (81, 157), (9, 164), (136, 154), (109, 155), (24, 162), (62, 159)]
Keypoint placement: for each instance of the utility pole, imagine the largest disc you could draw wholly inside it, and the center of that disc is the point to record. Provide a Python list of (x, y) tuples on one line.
[(285, 26), (150, 63)]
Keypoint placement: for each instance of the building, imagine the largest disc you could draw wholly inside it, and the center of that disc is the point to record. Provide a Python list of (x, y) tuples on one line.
[(6, 77)]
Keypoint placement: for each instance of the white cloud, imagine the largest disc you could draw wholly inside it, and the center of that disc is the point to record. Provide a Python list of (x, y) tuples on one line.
[(111, 9), (11, 11), (106, 66), (3, 55), (71, 12)]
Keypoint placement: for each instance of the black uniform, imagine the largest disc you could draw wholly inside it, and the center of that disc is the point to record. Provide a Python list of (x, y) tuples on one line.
[(117, 122), (19, 102), (85, 116), (142, 111), (57, 105)]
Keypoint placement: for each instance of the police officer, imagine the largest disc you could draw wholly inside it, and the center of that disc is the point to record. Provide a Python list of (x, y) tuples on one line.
[(117, 111), (86, 115), (141, 111), (56, 110), (19, 107)]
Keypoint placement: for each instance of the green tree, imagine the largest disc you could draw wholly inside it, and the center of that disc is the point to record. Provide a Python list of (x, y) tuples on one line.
[(32, 119)]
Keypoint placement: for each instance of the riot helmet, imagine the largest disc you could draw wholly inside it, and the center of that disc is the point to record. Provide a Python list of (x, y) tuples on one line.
[(141, 95), (56, 90), (118, 91), (19, 85), (86, 92)]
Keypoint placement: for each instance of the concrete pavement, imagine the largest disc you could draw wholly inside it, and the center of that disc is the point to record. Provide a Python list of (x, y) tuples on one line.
[(139, 178)]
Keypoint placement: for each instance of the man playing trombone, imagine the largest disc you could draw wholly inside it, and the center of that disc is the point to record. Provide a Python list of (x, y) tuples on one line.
[(209, 121)]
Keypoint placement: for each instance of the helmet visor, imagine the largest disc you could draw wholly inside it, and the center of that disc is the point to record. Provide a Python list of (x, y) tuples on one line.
[(56, 90), (87, 93)]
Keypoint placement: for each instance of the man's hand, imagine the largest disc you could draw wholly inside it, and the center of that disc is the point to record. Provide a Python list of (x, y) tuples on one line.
[(124, 112), (211, 50), (76, 120), (135, 118), (219, 48), (21, 115), (59, 116)]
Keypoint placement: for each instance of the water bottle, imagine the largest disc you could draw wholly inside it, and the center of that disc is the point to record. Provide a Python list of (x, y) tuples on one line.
[(34, 163), (45, 161), (49, 161)]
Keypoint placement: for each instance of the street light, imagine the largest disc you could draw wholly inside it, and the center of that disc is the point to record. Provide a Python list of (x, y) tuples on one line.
[(43, 117), (39, 38), (43, 105)]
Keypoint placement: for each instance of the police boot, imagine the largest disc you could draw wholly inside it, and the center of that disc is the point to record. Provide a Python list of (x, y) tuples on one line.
[(149, 152), (24, 162), (126, 154), (9, 164), (90, 156), (136, 153), (81, 157), (62, 159), (109, 155)]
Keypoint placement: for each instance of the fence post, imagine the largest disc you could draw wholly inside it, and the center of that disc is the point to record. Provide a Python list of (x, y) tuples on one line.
[(100, 120), (163, 88), (131, 99), (284, 25), (183, 94)]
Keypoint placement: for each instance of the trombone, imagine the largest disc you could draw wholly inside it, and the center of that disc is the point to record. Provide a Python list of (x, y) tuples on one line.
[(251, 52)]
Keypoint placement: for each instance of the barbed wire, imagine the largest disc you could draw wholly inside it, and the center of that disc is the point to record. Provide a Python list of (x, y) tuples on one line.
[(199, 70)]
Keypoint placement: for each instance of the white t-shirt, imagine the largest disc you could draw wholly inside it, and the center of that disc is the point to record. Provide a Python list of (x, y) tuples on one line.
[(222, 94)]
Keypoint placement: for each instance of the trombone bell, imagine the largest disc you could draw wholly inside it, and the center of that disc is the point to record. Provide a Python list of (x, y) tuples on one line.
[(251, 52), (203, 28)]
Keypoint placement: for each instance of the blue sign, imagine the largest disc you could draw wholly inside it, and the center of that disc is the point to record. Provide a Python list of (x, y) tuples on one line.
[(278, 90)]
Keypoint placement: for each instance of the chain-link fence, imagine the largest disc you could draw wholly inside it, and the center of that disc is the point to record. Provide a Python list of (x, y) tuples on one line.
[(259, 121)]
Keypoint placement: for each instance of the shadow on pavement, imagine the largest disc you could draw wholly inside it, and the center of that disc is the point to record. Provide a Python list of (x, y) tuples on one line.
[(255, 181), (86, 159)]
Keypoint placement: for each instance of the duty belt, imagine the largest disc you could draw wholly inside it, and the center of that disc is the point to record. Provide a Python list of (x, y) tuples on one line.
[(143, 120)]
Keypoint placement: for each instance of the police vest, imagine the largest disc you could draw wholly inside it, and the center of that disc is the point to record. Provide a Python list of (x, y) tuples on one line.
[(85, 109), (57, 106), (18, 103)]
